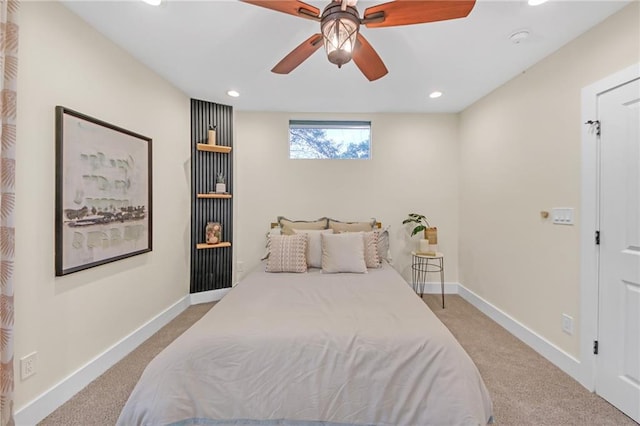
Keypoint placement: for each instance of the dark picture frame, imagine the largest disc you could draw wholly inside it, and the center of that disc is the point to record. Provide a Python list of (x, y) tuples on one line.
[(103, 192)]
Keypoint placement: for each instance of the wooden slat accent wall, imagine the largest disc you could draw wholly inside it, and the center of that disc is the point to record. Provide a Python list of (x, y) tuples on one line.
[(211, 269)]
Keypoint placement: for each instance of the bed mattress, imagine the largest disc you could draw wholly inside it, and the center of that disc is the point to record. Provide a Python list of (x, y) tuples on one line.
[(311, 349)]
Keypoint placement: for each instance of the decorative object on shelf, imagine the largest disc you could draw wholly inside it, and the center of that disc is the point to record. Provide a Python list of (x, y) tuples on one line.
[(431, 234), (221, 187), (430, 240), (212, 135), (103, 192), (424, 246), (213, 232)]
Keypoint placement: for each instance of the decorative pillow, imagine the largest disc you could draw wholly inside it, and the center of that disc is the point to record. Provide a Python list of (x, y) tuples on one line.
[(287, 253), (343, 253), (338, 226), (314, 245), (371, 256), (383, 244), (272, 231), (288, 225)]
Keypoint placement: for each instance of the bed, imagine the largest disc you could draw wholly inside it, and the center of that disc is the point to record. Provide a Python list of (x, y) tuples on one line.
[(313, 349)]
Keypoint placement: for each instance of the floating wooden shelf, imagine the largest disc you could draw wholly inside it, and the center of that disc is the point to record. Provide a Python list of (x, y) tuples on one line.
[(211, 246), (213, 148), (213, 195)]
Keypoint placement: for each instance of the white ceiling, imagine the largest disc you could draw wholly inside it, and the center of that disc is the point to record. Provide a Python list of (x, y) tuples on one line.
[(208, 47)]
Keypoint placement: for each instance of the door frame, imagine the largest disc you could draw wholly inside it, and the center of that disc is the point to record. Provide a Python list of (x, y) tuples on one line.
[(589, 252)]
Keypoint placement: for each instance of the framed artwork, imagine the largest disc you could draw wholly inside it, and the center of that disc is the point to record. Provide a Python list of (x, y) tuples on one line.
[(103, 192)]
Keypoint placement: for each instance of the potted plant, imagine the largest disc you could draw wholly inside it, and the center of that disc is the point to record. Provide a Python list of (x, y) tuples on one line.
[(422, 224)]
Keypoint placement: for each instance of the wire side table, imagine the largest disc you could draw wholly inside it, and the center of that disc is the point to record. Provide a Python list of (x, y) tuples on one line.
[(423, 264)]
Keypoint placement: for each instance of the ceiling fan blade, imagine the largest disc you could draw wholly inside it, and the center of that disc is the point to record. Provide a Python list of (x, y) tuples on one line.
[(368, 60), (406, 12), (292, 7), (298, 55)]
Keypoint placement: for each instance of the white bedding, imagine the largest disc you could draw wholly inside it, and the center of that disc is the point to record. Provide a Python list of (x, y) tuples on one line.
[(313, 349)]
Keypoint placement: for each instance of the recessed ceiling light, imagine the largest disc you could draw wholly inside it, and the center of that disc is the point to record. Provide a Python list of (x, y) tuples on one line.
[(153, 2), (435, 94), (233, 93), (536, 2)]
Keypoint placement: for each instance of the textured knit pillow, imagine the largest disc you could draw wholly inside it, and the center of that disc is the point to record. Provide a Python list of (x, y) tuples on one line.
[(314, 245), (371, 257), (343, 252), (272, 231), (287, 253), (383, 244)]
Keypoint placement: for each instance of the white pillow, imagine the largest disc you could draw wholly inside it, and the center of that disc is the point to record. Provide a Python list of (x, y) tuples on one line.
[(343, 252), (314, 245), (371, 252), (288, 253)]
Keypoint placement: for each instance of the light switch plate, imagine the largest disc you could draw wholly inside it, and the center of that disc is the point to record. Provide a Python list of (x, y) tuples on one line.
[(562, 215)]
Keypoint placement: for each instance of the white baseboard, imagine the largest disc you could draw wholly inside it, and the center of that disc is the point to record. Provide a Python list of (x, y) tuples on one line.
[(36, 410), (435, 288), (49, 401), (208, 296), (551, 352)]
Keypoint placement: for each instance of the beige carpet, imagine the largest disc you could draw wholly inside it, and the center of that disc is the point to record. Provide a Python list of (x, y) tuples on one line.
[(525, 388)]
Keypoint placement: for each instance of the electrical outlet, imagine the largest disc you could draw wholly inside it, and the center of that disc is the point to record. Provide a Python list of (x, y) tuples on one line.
[(240, 266), (28, 365), (567, 324)]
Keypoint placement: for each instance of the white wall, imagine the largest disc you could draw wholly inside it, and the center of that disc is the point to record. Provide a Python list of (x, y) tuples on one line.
[(70, 320), (520, 154), (414, 168)]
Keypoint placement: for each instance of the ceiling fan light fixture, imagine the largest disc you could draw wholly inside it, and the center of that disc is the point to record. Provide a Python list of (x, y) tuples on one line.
[(339, 32)]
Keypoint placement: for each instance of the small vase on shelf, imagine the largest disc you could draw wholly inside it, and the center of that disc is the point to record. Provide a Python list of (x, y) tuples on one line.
[(211, 140), (213, 233), (431, 234), (221, 187)]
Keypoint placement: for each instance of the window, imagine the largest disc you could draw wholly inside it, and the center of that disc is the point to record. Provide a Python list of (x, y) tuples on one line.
[(329, 139)]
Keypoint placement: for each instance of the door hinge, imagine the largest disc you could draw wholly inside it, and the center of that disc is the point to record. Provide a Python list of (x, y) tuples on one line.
[(595, 125), (595, 347), (597, 238)]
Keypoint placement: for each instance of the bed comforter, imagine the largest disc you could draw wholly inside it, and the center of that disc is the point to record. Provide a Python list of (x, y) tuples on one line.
[(313, 349)]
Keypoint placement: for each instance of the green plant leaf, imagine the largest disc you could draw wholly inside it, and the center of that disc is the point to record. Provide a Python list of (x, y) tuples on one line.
[(417, 229)]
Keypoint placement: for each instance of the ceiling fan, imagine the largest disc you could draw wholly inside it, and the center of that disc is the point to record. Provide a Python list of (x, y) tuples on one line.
[(340, 22)]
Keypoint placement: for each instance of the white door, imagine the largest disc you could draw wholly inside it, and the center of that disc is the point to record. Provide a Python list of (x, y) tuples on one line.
[(618, 359)]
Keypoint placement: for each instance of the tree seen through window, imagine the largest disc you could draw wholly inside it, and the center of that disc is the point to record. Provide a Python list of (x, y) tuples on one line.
[(329, 140)]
